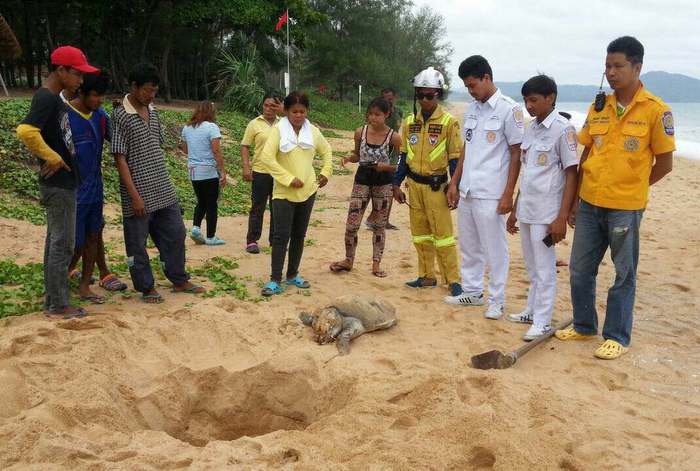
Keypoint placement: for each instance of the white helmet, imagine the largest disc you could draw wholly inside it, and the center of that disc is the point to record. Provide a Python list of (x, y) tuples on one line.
[(429, 78)]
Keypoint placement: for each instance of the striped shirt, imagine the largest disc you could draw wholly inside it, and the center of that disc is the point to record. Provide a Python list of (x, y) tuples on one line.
[(140, 142)]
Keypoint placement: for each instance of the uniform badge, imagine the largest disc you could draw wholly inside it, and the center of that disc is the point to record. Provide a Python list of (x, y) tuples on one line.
[(667, 121), (542, 159), (433, 139), (414, 127), (571, 139), (491, 137), (518, 116), (468, 135), (631, 144), (598, 141), (413, 139), (434, 128)]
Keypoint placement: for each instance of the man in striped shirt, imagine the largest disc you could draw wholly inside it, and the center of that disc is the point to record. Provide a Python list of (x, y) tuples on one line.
[(149, 202)]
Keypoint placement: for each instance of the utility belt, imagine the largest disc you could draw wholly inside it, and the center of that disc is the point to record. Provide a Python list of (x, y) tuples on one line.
[(434, 181)]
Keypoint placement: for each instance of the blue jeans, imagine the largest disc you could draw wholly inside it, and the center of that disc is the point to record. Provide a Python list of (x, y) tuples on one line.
[(597, 229)]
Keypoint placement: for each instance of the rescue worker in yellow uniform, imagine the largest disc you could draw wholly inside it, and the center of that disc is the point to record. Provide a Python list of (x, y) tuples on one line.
[(431, 145)]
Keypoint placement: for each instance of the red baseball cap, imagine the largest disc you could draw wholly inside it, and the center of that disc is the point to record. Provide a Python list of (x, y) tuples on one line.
[(69, 56)]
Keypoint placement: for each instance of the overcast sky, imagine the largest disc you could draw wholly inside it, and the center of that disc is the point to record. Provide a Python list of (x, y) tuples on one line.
[(566, 39)]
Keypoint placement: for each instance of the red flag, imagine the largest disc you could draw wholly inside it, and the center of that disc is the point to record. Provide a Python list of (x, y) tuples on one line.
[(283, 19)]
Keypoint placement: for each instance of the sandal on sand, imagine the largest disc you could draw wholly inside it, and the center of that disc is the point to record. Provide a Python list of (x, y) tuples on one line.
[(66, 313), (77, 275), (93, 298), (152, 298), (610, 350), (299, 282), (271, 288), (570, 334), (337, 267), (112, 283), (379, 273), (194, 289)]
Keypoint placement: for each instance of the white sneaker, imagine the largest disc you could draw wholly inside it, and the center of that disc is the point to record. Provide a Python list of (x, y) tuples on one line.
[(465, 299), (536, 331), (495, 311), (524, 317)]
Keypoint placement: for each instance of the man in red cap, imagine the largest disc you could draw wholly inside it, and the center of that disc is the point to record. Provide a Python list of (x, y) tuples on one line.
[(46, 132)]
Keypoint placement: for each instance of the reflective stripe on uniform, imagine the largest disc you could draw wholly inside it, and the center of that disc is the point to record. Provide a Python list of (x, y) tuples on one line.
[(442, 146), (423, 238), (409, 147), (446, 242)]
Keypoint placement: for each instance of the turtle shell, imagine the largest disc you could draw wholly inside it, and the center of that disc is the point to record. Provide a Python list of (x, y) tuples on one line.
[(374, 313)]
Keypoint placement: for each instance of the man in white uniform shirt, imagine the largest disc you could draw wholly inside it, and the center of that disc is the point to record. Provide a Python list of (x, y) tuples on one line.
[(486, 174)]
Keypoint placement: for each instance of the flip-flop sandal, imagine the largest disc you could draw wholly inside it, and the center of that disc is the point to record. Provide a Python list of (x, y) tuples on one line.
[(379, 273), (94, 299), (299, 282), (272, 288), (391, 227), (610, 350), (77, 313), (194, 289), (570, 334), (152, 298), (112, 283), (338, 267)]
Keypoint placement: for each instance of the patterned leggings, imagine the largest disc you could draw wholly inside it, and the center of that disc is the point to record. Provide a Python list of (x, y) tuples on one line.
[(381, 197)]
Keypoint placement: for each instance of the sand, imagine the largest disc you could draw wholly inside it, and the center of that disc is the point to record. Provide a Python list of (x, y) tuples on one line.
[(225, 384)]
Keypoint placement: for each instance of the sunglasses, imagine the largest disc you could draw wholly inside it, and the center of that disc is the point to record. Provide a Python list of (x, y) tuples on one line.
[(427, 96)]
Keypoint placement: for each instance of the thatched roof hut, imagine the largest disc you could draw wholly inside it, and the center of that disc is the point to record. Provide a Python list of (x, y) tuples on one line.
[(9, 46)]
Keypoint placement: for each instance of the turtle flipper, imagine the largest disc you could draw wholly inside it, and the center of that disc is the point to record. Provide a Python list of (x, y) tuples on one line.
[(343, 343), (307, 319)]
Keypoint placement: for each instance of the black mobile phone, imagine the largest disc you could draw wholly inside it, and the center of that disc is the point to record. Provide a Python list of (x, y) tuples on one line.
[(548, 240)]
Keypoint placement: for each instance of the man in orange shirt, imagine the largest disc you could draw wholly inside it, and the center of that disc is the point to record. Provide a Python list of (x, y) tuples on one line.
[(629, 146)]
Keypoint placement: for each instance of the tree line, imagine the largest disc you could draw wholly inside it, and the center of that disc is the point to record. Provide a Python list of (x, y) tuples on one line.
[(203, 48)]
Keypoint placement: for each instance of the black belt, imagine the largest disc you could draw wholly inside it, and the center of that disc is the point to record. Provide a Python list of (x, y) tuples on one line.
[(435, 181)]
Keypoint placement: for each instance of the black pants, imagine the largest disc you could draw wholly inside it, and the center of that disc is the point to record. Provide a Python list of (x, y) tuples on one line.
[(260, 195), (207, 192), (291, 221), (168, 232)]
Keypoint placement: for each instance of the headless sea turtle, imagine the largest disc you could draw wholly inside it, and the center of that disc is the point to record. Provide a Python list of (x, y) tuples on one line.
[(349, 317)]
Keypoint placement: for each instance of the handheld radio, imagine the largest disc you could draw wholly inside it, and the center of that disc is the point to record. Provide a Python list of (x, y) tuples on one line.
[(600, 97)]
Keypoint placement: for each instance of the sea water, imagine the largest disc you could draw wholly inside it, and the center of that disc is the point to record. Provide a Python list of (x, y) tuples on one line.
[(686, 118)]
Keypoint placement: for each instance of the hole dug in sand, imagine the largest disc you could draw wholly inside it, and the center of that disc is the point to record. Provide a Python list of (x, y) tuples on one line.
[(215, 404)]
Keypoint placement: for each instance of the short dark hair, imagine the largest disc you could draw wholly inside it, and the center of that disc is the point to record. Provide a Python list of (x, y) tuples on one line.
[(389, 90), (475, 66), (630, 47), (539, 85), (143, 73), (98, 83), (296, 98), (274, 95), (381, 104)]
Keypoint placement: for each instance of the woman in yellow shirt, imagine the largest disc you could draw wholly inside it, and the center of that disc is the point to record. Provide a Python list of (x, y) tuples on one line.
[(261, 189), (288, 156)]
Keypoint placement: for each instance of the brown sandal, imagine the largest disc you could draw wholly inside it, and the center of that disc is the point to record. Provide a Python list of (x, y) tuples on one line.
[(338, 267)]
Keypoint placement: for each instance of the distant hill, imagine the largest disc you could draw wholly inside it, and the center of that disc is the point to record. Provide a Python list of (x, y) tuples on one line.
[(670, 87)]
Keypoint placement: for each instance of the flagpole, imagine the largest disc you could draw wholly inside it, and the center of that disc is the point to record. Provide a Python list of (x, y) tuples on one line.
[(289, 76)]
